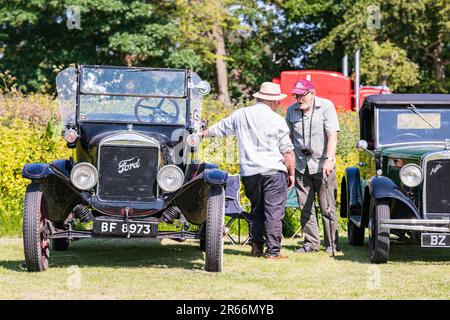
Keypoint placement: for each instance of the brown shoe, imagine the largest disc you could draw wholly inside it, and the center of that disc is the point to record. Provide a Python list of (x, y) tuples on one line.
[(277, 257), (257, 250)]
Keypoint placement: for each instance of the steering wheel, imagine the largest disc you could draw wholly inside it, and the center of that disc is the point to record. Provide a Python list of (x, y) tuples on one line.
[(406, 135), (158, 115)]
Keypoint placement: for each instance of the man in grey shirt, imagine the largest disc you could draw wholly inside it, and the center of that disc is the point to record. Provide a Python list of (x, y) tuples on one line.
[(314, 129), (267, 164)]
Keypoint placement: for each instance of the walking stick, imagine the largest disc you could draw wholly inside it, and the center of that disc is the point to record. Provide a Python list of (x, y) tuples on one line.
[(325, 180)]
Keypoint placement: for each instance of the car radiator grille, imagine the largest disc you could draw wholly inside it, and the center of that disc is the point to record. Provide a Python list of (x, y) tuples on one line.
[(437, 186), (127, 173)]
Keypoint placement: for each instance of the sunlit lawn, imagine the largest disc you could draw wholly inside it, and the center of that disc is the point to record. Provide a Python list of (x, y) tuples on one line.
[(136, 269)]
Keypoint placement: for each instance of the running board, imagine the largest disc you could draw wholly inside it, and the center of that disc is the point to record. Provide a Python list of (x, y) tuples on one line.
[(77, 235)]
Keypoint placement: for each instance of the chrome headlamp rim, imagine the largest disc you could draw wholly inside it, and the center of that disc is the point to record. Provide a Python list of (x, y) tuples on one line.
[(94, 172), (70, 135), (193, 140), (161, 172), (402, 172)]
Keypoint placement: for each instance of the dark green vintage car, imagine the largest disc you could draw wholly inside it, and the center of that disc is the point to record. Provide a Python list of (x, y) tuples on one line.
[(401, 186)]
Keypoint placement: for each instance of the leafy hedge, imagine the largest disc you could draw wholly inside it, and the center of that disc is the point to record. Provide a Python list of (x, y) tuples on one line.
[(30, 132)]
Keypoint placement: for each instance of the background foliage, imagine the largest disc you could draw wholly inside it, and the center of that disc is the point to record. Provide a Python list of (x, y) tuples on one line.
[(30, 132), (408, 50)]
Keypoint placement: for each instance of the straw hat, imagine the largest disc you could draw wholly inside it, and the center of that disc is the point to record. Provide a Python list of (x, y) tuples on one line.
[(270, 91)]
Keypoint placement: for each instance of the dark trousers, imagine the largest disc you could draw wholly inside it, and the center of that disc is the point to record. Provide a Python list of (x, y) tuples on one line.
[(308, 185), (268, 195)]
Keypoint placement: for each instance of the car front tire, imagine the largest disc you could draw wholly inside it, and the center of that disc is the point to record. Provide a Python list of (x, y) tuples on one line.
[(214, 230), (379, 244), (35, 242)]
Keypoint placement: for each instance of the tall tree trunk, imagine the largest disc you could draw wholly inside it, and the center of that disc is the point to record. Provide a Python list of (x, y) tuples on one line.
[(383, 80), (221, 65), (438, 63), (129, 59)]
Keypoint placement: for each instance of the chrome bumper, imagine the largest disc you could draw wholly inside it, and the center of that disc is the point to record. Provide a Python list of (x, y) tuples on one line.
[(433, 225)]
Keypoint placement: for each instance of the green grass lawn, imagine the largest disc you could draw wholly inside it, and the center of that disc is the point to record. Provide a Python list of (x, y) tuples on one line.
[(138, 269)]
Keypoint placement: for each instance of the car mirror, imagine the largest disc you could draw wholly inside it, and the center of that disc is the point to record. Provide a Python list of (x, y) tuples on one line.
[(362, 145), (203, 87)]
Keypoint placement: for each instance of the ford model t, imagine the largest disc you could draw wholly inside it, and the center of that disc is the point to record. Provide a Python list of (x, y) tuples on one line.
[(401, 185), (133, 135)]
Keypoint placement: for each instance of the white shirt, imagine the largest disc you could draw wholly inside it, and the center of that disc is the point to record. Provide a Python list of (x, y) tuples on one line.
[(262, 136)]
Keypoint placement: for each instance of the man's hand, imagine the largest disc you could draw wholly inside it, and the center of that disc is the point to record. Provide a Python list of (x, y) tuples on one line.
[(203, 133), (289, 161), (328, 167), (291, 181)]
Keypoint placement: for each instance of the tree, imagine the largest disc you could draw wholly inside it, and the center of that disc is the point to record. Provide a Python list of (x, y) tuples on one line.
[(238, 44), (236, 40), (36, 36), (409, 34), (204, 27)]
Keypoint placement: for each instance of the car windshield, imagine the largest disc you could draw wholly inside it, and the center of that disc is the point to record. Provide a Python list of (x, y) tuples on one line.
[(132, 95), (413, 124)]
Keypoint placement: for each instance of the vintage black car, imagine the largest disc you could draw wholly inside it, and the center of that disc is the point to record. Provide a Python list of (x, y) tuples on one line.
[(134, 166), (401, 186)]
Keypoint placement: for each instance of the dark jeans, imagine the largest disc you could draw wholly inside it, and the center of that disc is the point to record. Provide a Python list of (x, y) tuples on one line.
[(268, 195)]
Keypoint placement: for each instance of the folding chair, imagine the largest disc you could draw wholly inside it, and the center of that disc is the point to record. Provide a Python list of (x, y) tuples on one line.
[(292, 212), (233, 208)]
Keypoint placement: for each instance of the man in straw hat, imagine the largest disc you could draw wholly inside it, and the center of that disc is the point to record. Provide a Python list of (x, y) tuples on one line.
[(267, 164), (314, 129)]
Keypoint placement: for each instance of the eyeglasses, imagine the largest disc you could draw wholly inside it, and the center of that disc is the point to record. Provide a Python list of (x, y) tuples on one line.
[(299, 96)]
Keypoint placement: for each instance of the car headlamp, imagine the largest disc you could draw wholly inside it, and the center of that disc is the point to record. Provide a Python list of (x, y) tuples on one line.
[(170, 178), (411, 175), (70, 136), (203, 87), (84, 176), (193, 140)]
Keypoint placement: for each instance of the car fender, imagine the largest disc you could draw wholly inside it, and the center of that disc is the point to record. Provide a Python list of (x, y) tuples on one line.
[(382, 187), (61, 195), (62, 166), (215, 176), (36, 171), (192, 198), (39, 171), (354, 190)]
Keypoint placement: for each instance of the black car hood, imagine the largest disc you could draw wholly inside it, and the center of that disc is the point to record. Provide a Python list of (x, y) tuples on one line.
[(166, 144), (163, 140)]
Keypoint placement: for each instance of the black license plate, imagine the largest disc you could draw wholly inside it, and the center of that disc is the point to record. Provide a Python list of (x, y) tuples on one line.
[(436, 240), (109, 227)]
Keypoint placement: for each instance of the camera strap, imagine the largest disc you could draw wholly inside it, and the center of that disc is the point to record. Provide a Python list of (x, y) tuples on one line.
[(310, 127)]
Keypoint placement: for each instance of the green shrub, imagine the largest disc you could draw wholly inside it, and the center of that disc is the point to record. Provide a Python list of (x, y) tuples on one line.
[(29, 133), (346, 154)]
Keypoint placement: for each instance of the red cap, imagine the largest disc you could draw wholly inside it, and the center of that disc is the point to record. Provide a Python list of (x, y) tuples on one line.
[(303, 86)]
